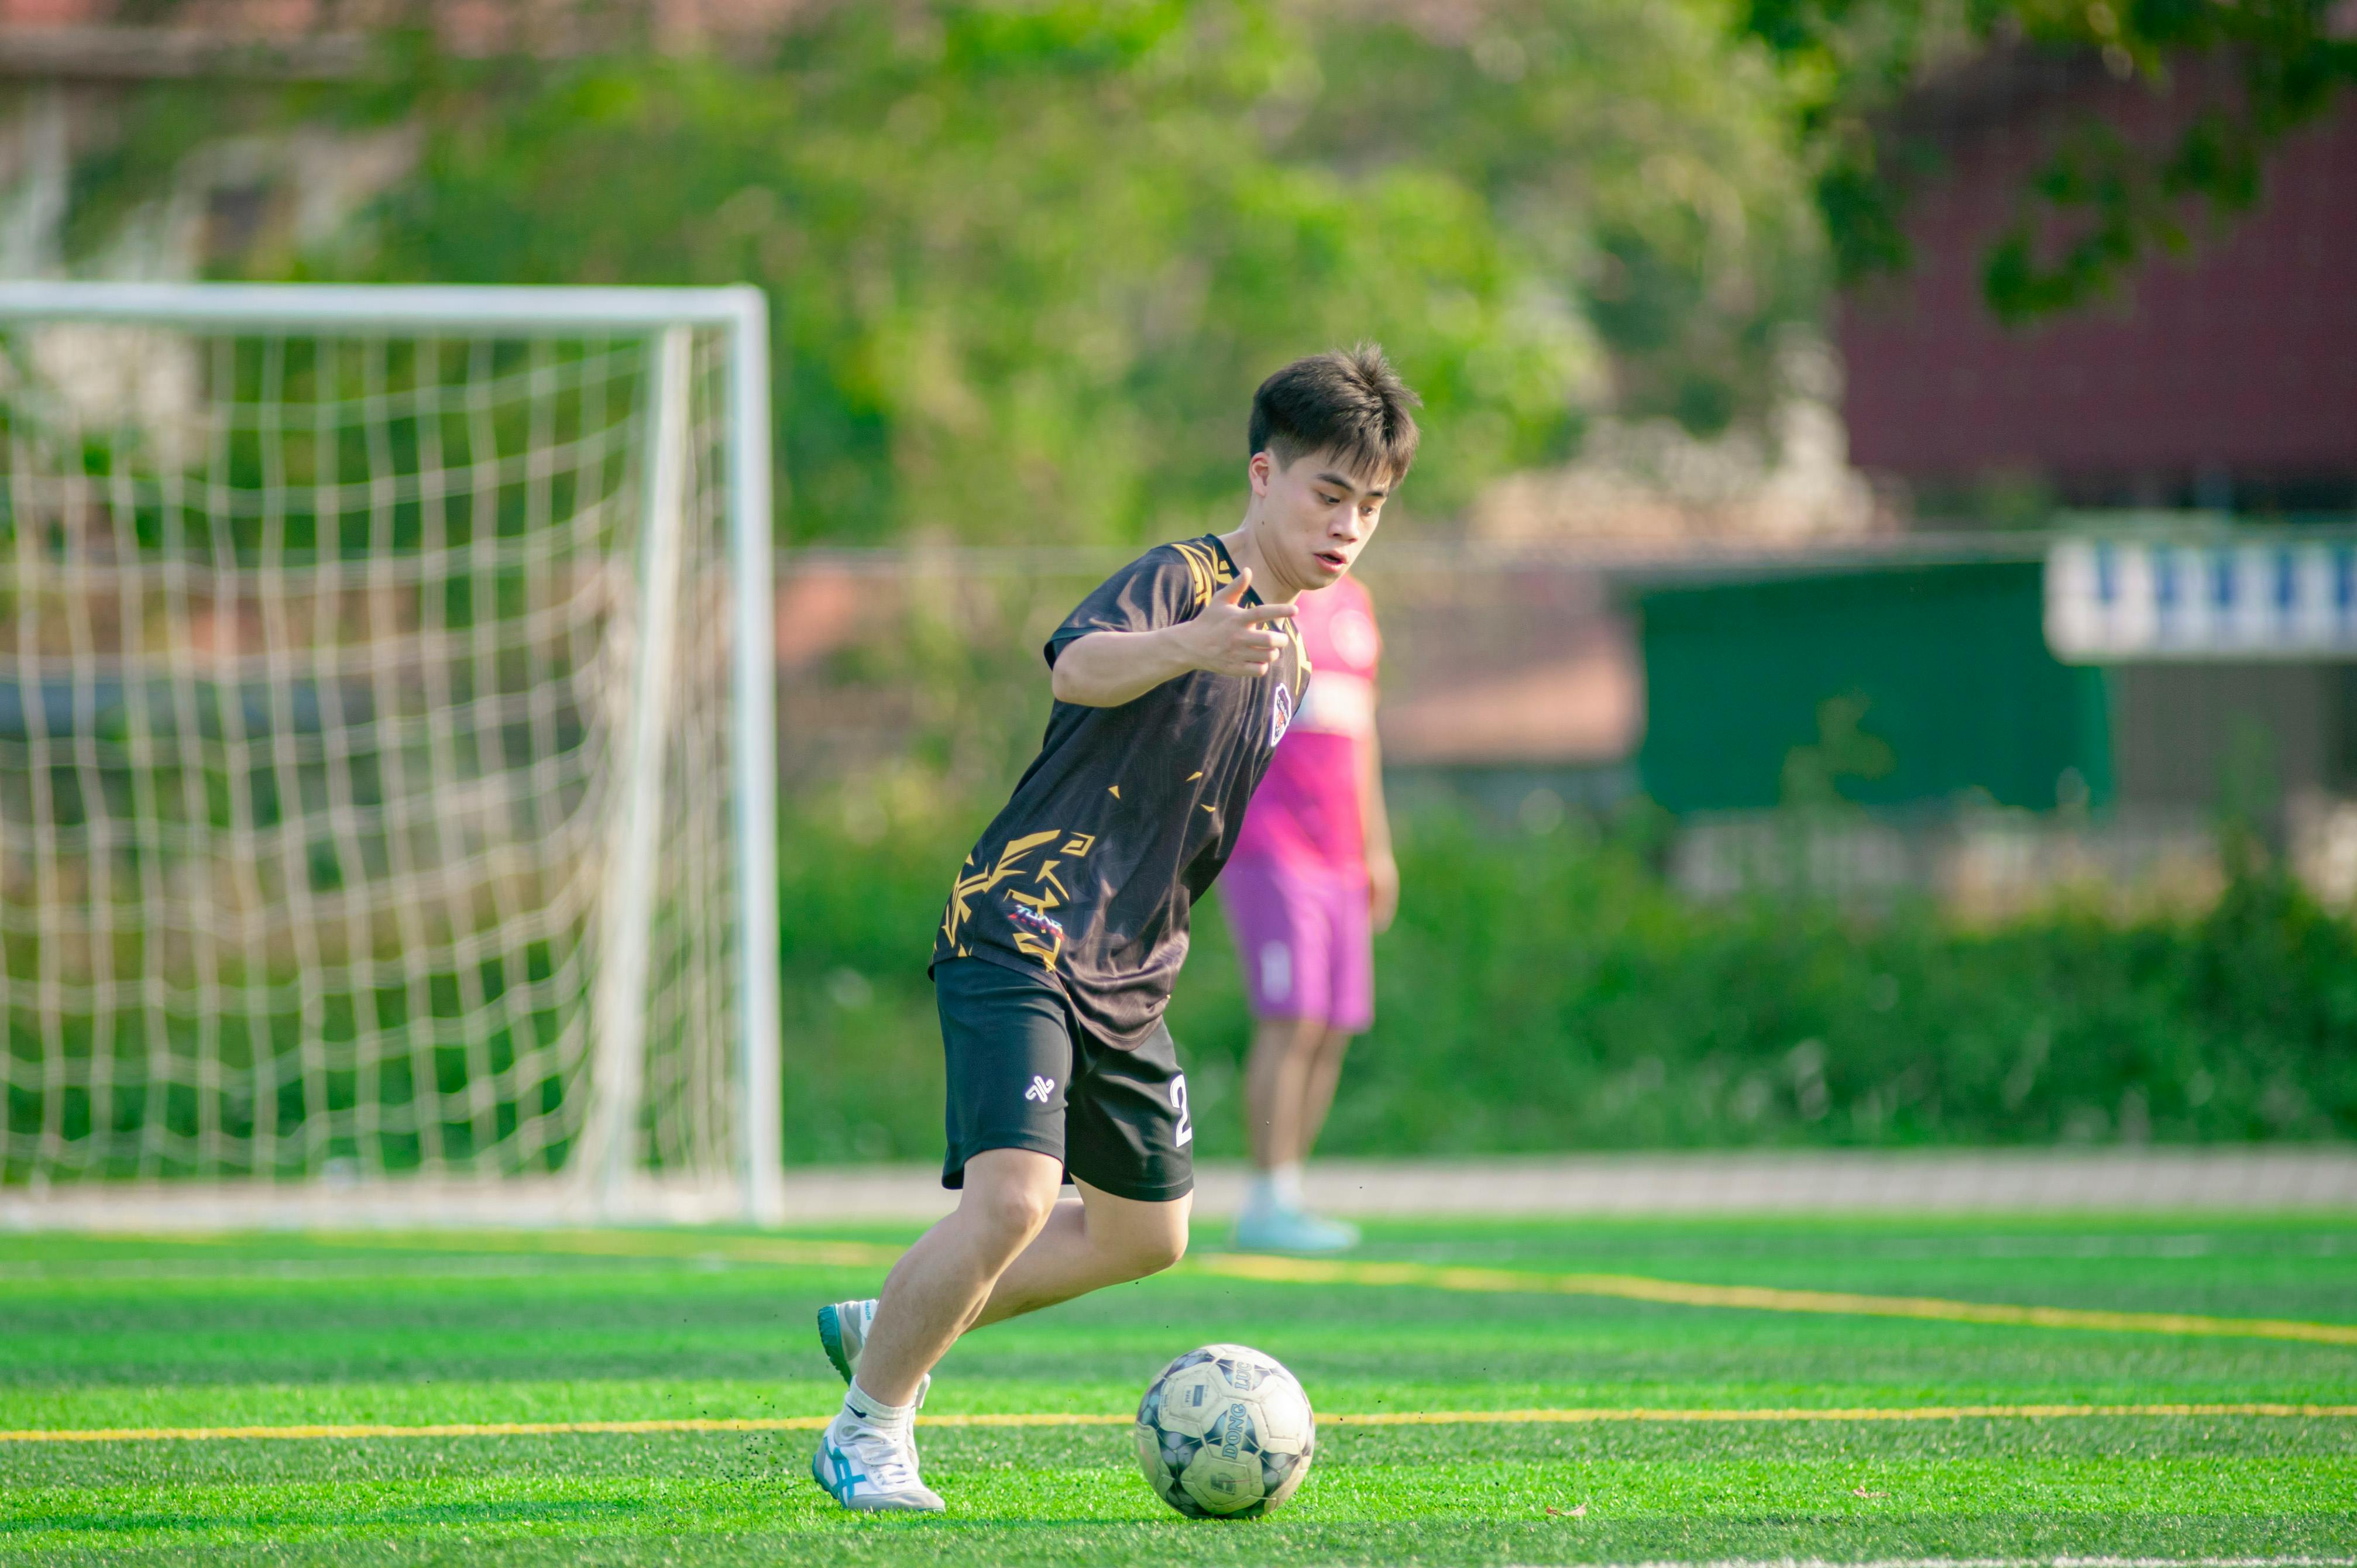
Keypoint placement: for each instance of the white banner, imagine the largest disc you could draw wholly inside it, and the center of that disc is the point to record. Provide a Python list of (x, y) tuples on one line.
[(2112, 601)]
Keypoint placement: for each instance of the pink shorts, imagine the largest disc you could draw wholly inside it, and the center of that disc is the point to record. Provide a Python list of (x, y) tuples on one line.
[(1305, 940)]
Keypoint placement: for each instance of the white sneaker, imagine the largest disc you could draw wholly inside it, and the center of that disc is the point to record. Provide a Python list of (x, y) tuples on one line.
[(843, 1335), (869, 1469), (1279, 1228)]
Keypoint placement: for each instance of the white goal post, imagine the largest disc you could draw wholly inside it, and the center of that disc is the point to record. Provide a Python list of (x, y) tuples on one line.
[(387, 755)]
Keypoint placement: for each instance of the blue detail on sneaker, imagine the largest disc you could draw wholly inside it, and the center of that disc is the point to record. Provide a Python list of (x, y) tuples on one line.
[(835, 1473), (866, 1469)]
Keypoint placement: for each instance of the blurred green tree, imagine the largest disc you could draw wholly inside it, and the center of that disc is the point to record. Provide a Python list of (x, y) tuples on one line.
[(2103, 201), (1028, 262)]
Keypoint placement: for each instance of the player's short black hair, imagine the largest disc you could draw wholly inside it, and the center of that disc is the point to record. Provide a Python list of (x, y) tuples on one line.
[(1347, 402)]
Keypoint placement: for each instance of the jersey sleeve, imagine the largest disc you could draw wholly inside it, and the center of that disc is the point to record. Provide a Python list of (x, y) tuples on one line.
[(1169, 584)]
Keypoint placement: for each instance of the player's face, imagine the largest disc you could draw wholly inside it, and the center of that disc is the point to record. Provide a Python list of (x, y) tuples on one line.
[(1317, 515)]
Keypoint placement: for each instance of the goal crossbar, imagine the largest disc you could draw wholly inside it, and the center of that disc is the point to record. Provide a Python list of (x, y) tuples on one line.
[(506, 310), (458, 313)]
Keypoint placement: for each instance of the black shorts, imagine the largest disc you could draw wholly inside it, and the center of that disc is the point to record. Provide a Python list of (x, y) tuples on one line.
[(1024, 1074)]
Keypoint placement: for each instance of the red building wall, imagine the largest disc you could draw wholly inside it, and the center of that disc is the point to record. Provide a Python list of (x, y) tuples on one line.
[(2227, 376)]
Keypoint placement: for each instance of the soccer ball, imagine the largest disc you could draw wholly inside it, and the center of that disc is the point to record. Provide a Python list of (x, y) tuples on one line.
[(1225, 1433)]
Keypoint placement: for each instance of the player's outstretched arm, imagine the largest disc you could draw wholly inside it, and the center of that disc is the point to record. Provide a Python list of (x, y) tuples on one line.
[(1107, 669)]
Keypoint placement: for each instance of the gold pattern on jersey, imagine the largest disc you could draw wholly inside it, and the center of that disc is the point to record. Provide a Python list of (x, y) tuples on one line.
[(1208, 567), (968, 888), (1048, 942)]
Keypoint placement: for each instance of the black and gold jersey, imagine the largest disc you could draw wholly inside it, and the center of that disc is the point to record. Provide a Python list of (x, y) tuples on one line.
[(1128, 813)]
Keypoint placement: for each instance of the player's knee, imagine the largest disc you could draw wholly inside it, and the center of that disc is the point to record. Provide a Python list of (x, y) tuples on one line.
[(1292, 1036), (1013, 1213), (1310, 1036), (1151, 1256), (1150, 1250)]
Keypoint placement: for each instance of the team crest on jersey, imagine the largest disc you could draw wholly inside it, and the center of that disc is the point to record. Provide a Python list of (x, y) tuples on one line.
[(1281, 714)]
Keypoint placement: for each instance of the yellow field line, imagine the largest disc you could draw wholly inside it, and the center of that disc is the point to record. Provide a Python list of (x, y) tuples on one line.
[(1765, 1298), (1572, 1417), (1430, 1276)]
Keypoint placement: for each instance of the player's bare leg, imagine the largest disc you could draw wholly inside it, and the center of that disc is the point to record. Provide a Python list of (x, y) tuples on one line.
[(1317, 1090), (937, 1289), (1276, 1086), (1089, 1242), (1288, 1087), (866, 1458)]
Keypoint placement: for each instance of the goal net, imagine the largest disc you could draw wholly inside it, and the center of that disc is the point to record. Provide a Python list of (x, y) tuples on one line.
[(386, 755)]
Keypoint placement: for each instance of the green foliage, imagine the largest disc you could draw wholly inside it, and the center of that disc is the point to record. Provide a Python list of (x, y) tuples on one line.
[(2102, 202), (1028, 262), (1551, 994), (1565, 998), (1843, 749)]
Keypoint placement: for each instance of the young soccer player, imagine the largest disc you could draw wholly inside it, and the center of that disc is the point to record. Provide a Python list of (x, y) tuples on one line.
[(1311, 882), (1173, 681)]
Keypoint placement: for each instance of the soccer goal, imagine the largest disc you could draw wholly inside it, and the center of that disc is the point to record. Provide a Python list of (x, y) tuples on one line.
[(387, 759)]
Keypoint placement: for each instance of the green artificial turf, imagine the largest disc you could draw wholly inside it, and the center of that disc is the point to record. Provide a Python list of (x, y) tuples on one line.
[(404, 1331)]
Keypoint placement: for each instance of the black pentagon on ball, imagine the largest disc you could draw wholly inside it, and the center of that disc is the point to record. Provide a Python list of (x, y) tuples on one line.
[(1240, 1375), (1275, 1468), (1235, 1421), (1180, 1498)]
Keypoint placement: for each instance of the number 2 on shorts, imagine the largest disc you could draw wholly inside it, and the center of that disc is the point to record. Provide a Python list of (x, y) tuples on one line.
[(1179, 1103)]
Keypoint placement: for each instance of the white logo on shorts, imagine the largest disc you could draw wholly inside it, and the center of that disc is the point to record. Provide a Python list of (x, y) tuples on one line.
[(1040, 1089), (1275, 971)]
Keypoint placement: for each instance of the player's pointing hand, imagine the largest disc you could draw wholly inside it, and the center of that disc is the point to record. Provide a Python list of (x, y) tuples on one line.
[(1233, 637)]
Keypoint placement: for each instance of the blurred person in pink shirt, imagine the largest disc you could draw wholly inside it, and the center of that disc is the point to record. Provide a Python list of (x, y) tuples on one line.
[(1311, 883)]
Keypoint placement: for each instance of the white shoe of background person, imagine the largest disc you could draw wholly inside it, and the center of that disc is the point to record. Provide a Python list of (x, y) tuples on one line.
[(1283, 1228)]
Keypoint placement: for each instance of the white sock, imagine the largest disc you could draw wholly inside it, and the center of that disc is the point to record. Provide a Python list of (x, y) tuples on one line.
[(1277, 1188), (865, 1406)]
